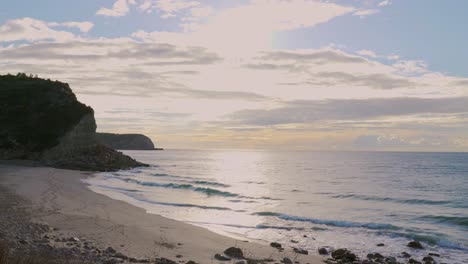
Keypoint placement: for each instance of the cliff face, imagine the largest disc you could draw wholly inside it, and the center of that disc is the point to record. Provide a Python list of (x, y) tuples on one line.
[(42, 120), (125, 141)]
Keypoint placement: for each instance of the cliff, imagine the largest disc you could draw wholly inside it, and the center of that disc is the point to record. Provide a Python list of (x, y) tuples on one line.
[(42, 120), (125, 141)]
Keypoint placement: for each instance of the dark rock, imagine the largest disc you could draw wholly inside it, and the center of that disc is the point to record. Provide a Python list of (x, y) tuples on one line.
[(286, 261), (178, 256), (221, 257), (390, 260), (405, 255), (434, 254), (301, 251), (110, 250), (413, 261), (381, 245), (344, 254), (276, 245), (120, 256), (165, 261), (415, 244), (23, 242), (323, 251), (234, 252), (191, 262), (111, 261), (428, 259), (294, 241), (42, 120)]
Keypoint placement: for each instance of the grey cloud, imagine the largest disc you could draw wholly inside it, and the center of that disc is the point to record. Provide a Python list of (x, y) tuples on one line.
[(325, 56), (376, 81), (358, 109), (159, 54)]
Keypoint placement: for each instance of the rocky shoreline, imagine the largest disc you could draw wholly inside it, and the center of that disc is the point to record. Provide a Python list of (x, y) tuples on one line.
[(50, 214), (20, 236)]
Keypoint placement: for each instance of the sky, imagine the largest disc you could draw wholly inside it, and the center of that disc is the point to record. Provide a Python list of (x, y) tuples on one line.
[(385, 75)]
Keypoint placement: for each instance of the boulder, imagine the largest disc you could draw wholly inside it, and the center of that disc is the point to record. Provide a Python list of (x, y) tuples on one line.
[(234, 252), (276, 245), (415, 244), (301, 251), (323, 251), (344, 255)]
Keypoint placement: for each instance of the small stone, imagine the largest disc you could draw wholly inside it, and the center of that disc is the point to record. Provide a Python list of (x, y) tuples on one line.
[(405, 255), (221, 258), (234, 252), (428, 258), (415, 244), (323, 251), (23, 242), (191, 262), (381, 245), (434, 254), (294, 241), (165, 261), (286, 261), (74, 239), (110, 250), (275, 245), (120, 256), (413, 261), (111, 261), (178, 256), (301, 251)]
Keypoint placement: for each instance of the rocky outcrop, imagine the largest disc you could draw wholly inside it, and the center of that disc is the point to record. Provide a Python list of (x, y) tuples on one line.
[(125, 141), (43, 120)]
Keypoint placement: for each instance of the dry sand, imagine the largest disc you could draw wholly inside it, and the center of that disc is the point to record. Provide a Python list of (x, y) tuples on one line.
[(64, 202)]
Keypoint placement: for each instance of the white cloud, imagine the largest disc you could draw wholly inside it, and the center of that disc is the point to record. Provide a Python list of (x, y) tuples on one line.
[(365, 12), (167, 8), (411, 67), (120, 8), (367, 53), (82, 26), (385, 3), (30, 29)]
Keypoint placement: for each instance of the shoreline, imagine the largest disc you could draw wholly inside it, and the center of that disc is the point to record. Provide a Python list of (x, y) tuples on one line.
[(60, 200)]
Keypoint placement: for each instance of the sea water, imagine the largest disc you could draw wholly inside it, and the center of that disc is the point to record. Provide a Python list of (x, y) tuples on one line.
[(308, 200)]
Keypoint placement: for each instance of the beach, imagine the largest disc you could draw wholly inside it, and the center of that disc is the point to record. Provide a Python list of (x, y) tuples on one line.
[(73, 216)]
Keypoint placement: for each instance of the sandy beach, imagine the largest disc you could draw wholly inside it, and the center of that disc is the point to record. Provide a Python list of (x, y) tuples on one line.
[(59, 199)]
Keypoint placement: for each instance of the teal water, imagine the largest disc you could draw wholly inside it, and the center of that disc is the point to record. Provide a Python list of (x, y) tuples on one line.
[(335, 199)]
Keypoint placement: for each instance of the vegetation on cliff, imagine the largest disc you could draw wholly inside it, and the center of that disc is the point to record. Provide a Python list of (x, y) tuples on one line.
[(43, 120)]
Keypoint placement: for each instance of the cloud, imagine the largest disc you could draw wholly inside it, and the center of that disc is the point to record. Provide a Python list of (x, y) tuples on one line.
[(316, 56), (311, 111), (30, 29), (411, 67), (82, 26), (168, 8), (119, 8), (385, 3), (367, 53), (365, 12)]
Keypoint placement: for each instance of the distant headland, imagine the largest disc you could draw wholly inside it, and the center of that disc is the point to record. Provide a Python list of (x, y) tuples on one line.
[(126, 141)]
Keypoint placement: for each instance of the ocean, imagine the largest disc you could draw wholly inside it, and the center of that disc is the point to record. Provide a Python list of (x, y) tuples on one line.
[(308, 200)]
